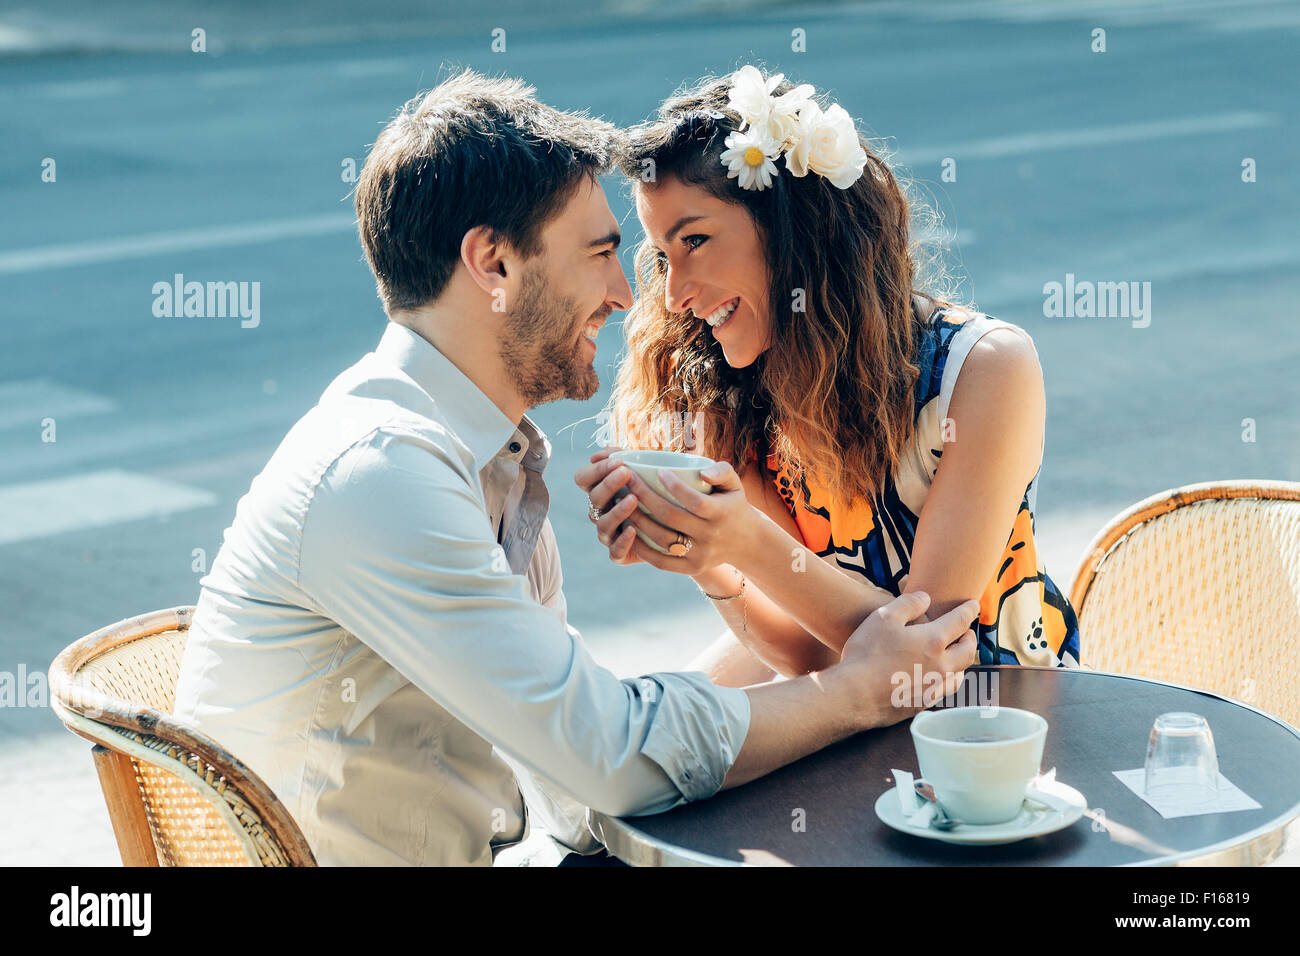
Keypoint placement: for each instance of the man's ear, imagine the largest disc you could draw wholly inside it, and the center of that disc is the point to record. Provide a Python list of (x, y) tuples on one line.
[(489, 260)]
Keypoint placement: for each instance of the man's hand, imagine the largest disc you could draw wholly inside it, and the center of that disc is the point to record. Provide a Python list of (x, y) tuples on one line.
[(790, 719), (603, 480), (877, 669)]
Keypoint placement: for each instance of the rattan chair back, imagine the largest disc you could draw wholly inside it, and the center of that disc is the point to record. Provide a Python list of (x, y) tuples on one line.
[(175, 796), (1200, 586)]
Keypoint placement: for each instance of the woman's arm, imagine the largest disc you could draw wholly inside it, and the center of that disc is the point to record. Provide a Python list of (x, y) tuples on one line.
[(998, 409), (815, 602), (763, 625), (764, 629), (998, 414), (796, 610)]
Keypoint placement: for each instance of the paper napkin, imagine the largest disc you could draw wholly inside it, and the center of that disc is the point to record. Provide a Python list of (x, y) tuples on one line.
[(1172, 802)]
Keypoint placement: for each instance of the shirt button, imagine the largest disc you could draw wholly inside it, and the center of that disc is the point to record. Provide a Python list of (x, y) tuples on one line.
[(515, 446)]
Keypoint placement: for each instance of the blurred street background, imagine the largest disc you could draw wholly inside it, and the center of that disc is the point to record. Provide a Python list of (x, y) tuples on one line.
[(229, 165)]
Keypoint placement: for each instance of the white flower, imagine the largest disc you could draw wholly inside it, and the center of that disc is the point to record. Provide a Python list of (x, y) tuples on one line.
[(748, 158), (827, 143), (782, 122), (750, 96), (796, 159), (792, 123)]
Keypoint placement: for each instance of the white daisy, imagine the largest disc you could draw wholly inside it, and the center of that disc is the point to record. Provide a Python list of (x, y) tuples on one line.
[(748, 158)]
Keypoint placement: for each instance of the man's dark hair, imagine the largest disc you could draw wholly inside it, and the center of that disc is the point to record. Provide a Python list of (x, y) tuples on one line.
[(474, 151)]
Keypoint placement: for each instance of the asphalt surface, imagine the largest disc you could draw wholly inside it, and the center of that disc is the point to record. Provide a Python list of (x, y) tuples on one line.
[(1123, 166)]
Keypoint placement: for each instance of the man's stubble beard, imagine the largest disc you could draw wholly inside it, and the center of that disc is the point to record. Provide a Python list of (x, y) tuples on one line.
[(540, 346)]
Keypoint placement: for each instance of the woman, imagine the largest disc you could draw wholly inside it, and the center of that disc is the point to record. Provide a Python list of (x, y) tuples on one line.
[(780, 328)]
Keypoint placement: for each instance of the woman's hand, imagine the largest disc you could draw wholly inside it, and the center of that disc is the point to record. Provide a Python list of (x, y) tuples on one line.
[(603, 480), (717, 526)]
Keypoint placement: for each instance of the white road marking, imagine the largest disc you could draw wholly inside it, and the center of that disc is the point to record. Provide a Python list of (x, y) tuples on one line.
[(1108, 13), (1025, 143), (134, 247), (1000, 291), (38, 509), (18, 40), (28, 401)]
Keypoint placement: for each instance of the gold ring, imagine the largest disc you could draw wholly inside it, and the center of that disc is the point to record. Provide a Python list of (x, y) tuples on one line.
[(679, 547)]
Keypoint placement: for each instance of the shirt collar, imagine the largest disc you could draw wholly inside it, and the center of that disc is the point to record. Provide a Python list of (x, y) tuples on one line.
[(473, 417)]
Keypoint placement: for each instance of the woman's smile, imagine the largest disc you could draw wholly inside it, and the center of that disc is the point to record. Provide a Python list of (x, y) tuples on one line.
[(719, 316)]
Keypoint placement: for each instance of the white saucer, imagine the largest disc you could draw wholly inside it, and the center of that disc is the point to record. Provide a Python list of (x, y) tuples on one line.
[(1033, 819)]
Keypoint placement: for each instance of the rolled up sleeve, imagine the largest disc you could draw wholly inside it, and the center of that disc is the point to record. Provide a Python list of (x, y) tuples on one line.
[(397, 549), (696, 722)]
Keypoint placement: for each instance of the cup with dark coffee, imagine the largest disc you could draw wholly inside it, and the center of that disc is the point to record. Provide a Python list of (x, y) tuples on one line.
[(979, 760)]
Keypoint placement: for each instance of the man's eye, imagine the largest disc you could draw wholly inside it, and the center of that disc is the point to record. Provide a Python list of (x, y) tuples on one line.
[(692, 244), (608, 253)]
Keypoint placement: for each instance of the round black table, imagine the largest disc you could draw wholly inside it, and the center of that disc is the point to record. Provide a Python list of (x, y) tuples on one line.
[(1097, 723)]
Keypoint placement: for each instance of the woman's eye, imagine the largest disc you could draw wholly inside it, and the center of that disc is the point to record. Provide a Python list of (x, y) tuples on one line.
[(694, 242)]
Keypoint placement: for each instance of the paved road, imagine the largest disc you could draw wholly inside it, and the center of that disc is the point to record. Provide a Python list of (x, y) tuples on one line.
[(1118, 166)]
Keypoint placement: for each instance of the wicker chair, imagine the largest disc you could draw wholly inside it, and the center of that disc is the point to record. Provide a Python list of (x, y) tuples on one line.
[(1200, 586), (175, 797)]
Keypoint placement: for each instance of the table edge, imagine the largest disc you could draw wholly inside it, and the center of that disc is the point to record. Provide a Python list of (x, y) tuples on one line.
[(635, 847)]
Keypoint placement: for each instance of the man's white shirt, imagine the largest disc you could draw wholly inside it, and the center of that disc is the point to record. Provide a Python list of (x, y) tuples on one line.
[(383, 637)]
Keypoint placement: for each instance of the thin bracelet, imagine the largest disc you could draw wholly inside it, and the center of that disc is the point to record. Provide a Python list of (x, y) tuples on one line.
[(744, 611), (732, 597)]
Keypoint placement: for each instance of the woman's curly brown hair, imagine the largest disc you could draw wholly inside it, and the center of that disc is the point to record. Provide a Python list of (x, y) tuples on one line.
[(833, 392)]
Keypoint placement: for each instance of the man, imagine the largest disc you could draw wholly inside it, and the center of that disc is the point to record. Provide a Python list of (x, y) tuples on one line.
[(382, 636)]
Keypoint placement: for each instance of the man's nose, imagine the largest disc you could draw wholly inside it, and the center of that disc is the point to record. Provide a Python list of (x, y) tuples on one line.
[(620, 295)]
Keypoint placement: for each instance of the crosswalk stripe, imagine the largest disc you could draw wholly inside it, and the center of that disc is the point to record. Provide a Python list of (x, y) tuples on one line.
[(38, 509)]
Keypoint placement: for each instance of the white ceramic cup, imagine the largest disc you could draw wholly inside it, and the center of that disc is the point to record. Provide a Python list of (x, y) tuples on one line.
[(979, 782), (647, 465)]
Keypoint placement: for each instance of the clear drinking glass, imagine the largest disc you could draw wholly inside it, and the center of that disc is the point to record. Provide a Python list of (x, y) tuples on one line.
[(1181, 756)]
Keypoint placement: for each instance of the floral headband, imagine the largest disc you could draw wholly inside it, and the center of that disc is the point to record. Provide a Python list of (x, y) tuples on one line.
[(791, 124)]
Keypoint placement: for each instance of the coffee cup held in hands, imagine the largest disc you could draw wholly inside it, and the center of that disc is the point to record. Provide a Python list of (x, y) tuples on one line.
[(647, 464), (979, 760)]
